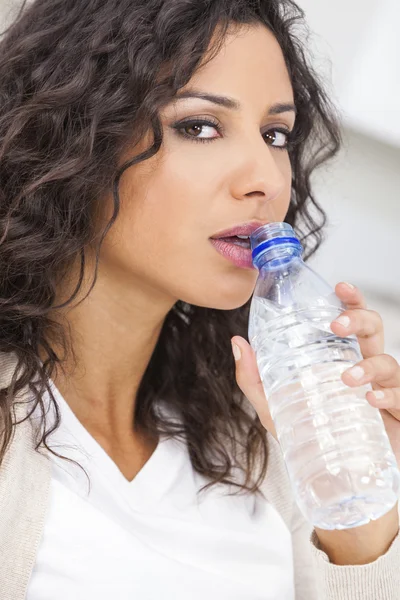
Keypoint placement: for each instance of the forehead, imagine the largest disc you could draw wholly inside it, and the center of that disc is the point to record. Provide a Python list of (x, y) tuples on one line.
[(249, 66)]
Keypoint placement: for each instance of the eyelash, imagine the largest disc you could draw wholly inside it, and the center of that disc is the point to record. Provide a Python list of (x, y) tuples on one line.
[(180, 127)]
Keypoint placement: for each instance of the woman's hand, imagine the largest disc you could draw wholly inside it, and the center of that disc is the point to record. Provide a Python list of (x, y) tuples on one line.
[(364, 544), (381, 370)]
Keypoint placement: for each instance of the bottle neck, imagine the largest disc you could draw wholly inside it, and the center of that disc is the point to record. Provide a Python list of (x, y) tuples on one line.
[(275, 253)]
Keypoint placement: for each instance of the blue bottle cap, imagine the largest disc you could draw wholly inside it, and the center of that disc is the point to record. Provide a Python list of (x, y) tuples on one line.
[(272, 235)]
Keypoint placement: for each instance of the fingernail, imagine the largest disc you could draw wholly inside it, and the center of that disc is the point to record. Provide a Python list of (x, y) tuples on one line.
[(379, 395), (357, 373), (349, 285), (345, 321), (236, 351)]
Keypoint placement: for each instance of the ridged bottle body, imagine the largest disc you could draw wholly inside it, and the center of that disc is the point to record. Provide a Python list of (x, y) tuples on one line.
[(339, 459)]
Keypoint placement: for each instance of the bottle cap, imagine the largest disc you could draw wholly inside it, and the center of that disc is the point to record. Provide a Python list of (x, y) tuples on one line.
[(272, 235)]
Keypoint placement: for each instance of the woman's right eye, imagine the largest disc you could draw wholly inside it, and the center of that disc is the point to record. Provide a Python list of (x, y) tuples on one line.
[(198, 131)]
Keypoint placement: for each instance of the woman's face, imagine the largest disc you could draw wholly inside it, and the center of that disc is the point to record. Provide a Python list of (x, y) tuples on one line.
[(208, 178)]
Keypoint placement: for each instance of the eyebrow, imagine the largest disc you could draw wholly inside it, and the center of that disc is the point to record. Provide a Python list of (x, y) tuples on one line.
[(232, 104)]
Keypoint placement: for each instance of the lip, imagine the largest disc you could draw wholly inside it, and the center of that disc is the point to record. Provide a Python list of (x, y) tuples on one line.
[(239, 256), (242, 229)]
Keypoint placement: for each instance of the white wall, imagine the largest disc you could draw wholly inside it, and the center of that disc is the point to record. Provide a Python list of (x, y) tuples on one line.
[(356, 49), (356, 44), (361, 197)]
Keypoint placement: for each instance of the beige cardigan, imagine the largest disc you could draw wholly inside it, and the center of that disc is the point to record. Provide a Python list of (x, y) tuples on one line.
[(25, 477)]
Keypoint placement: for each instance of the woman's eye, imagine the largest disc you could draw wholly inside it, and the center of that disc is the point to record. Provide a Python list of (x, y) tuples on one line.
[(278, 138), (202, 131)]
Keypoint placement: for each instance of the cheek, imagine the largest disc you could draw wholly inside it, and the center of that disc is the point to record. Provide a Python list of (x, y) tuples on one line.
[(161, 219), (172, 200), (280, 206)]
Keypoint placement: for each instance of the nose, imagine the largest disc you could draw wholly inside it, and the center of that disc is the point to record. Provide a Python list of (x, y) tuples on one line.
[(259, 172)]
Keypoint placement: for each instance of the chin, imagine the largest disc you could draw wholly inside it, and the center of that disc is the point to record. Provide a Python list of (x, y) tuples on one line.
[(222, 291), (224, 300)]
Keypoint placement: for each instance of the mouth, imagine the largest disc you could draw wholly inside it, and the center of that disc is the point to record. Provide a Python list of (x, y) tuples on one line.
[(239, 234), (236, 250), (238, 240), (234, 243)]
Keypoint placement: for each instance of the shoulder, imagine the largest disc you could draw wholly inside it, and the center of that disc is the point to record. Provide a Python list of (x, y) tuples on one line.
[(25, 478), (276, 485), (21, 450), (8, 364), (25, 473)]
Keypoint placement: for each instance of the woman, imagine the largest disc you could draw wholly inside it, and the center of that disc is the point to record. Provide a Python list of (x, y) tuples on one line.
[(138, 459)]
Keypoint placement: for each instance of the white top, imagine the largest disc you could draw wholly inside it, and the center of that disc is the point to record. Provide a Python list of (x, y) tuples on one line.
[(153, 537)]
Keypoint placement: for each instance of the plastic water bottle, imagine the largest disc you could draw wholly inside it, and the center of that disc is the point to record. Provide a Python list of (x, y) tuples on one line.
[(337, 453)]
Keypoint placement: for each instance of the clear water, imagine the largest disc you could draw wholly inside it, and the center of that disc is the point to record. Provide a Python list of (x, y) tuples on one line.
[(337, 453)]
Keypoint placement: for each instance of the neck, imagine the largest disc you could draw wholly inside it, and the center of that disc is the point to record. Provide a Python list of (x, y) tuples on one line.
[(113, 334)]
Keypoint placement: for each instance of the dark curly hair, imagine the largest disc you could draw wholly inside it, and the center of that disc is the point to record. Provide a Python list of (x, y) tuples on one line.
[(79, 82)]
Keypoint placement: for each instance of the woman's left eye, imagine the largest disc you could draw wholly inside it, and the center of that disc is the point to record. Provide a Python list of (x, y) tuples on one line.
[(274, 136)]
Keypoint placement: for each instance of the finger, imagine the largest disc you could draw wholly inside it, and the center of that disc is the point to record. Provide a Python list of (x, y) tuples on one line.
[(386, 399), (350, 295), (367, 325), (249, 381), (362, 322), (382, 370)]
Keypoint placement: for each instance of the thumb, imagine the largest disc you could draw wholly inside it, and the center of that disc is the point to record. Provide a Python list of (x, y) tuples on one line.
[(249, 381)]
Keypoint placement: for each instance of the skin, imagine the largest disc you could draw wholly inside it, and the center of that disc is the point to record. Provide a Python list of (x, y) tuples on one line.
[(159, 250)]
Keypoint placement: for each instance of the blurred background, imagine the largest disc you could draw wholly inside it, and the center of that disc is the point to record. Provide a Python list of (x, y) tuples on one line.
[(355, 47)]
